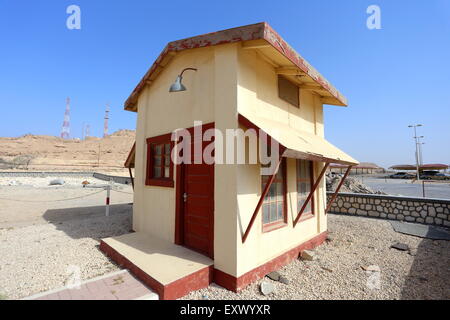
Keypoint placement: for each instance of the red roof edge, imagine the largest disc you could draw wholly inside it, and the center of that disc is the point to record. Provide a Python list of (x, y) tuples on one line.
[(256, 31)]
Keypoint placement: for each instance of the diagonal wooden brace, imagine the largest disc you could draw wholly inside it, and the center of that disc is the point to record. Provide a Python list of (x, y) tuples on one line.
[(261, 200), (333, 198), (311, 193)]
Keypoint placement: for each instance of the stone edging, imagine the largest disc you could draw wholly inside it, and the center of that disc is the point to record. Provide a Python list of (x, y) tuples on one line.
[(418, 210)]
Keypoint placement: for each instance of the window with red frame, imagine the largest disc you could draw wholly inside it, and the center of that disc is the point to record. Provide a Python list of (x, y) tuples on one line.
[(159, 163), (304, 185), (274, 204)]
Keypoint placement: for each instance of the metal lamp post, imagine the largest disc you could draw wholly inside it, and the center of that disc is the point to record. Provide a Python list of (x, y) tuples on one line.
[(417, 147)]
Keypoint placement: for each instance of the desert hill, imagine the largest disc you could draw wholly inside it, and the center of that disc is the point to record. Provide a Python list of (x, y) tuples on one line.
[(39, 152)]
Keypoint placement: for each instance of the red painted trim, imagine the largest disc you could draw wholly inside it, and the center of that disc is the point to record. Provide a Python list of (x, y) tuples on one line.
[(236, 284), (311, 193), (174, 290), (179, 201), (333, 198), (129, 163), (179, 205), (159, 182), (311, 181), (260, 202)]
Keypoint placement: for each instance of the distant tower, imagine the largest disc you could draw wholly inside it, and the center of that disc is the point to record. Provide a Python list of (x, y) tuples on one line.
[(105, 129), (88, 131), (65, 132)]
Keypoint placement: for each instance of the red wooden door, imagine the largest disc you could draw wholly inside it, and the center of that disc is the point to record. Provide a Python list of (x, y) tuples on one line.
[(198, 206)]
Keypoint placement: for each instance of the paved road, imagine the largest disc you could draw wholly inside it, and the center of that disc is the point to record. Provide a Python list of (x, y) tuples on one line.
[(406, 188)]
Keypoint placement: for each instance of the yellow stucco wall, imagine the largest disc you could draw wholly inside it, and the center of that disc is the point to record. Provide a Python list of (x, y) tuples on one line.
[(228, 80), (258, 96), (159, 113)]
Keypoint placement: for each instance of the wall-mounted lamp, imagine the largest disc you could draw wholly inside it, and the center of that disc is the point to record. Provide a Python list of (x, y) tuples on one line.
[(177, 86)]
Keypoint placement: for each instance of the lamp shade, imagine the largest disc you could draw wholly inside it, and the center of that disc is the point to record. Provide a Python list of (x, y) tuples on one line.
[(177, 86)]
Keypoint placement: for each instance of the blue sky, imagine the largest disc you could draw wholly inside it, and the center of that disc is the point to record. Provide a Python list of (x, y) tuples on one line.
[(393, 77)]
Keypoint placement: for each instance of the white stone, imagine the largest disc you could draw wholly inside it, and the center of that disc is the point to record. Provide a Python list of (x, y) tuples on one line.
[(266, 288)]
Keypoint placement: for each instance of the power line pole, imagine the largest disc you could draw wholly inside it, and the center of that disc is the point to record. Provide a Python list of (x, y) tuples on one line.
[(416, 139)]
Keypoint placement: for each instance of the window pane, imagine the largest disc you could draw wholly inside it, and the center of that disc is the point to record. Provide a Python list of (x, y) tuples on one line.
[(279, 173), (167, 160), (166, 172), (158, 149), (157, 172), (273, 211), (280, 211), (273, 192), (167, 148), (307, 169), (157, 161), (279, 191), (266, 218)]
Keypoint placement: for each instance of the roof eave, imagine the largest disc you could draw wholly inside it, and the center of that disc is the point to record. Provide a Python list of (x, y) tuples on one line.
[(246, 33)]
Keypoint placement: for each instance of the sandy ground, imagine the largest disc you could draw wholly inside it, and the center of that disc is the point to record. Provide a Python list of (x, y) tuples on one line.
[(337, 272), (32, 200), (45, 243), (42, 242)]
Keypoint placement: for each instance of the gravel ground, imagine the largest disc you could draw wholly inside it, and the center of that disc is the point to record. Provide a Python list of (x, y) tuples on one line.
[(337, 273), (41, 257), (43, 241)]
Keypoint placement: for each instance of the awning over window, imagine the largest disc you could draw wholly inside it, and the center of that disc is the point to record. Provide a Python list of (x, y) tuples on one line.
[(298, 144)]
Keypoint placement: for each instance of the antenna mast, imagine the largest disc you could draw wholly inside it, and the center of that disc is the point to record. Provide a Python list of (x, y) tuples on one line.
[(65, 132), (105, 129)]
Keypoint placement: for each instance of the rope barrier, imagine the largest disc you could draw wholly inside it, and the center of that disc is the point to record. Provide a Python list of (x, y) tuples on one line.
[(43, 201), (122, 191)]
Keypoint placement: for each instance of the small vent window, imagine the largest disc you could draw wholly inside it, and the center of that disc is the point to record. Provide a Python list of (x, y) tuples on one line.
[(288, 91)]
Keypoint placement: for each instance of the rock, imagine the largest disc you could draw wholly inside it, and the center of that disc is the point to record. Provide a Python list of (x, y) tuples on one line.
[(371, 268), (266, 288), (275, 276), (57, 182), (307, 255), (326, 269), (400, 246), (284, 280)]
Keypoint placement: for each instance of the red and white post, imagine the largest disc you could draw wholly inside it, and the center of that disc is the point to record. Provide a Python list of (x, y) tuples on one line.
[(108, 194)]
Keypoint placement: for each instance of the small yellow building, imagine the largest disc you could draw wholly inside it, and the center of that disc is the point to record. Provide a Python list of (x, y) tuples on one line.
[(197, 223)]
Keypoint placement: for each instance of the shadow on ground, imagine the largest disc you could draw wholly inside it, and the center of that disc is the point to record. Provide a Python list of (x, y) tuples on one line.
[(92, 222), (429, 276)]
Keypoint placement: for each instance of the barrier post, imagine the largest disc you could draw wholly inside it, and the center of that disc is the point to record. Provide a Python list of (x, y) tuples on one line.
[(108, 194)]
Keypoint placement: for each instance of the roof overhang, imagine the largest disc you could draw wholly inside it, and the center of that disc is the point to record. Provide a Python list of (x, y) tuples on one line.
[(260, 37), (298, 144), (129, 163)]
